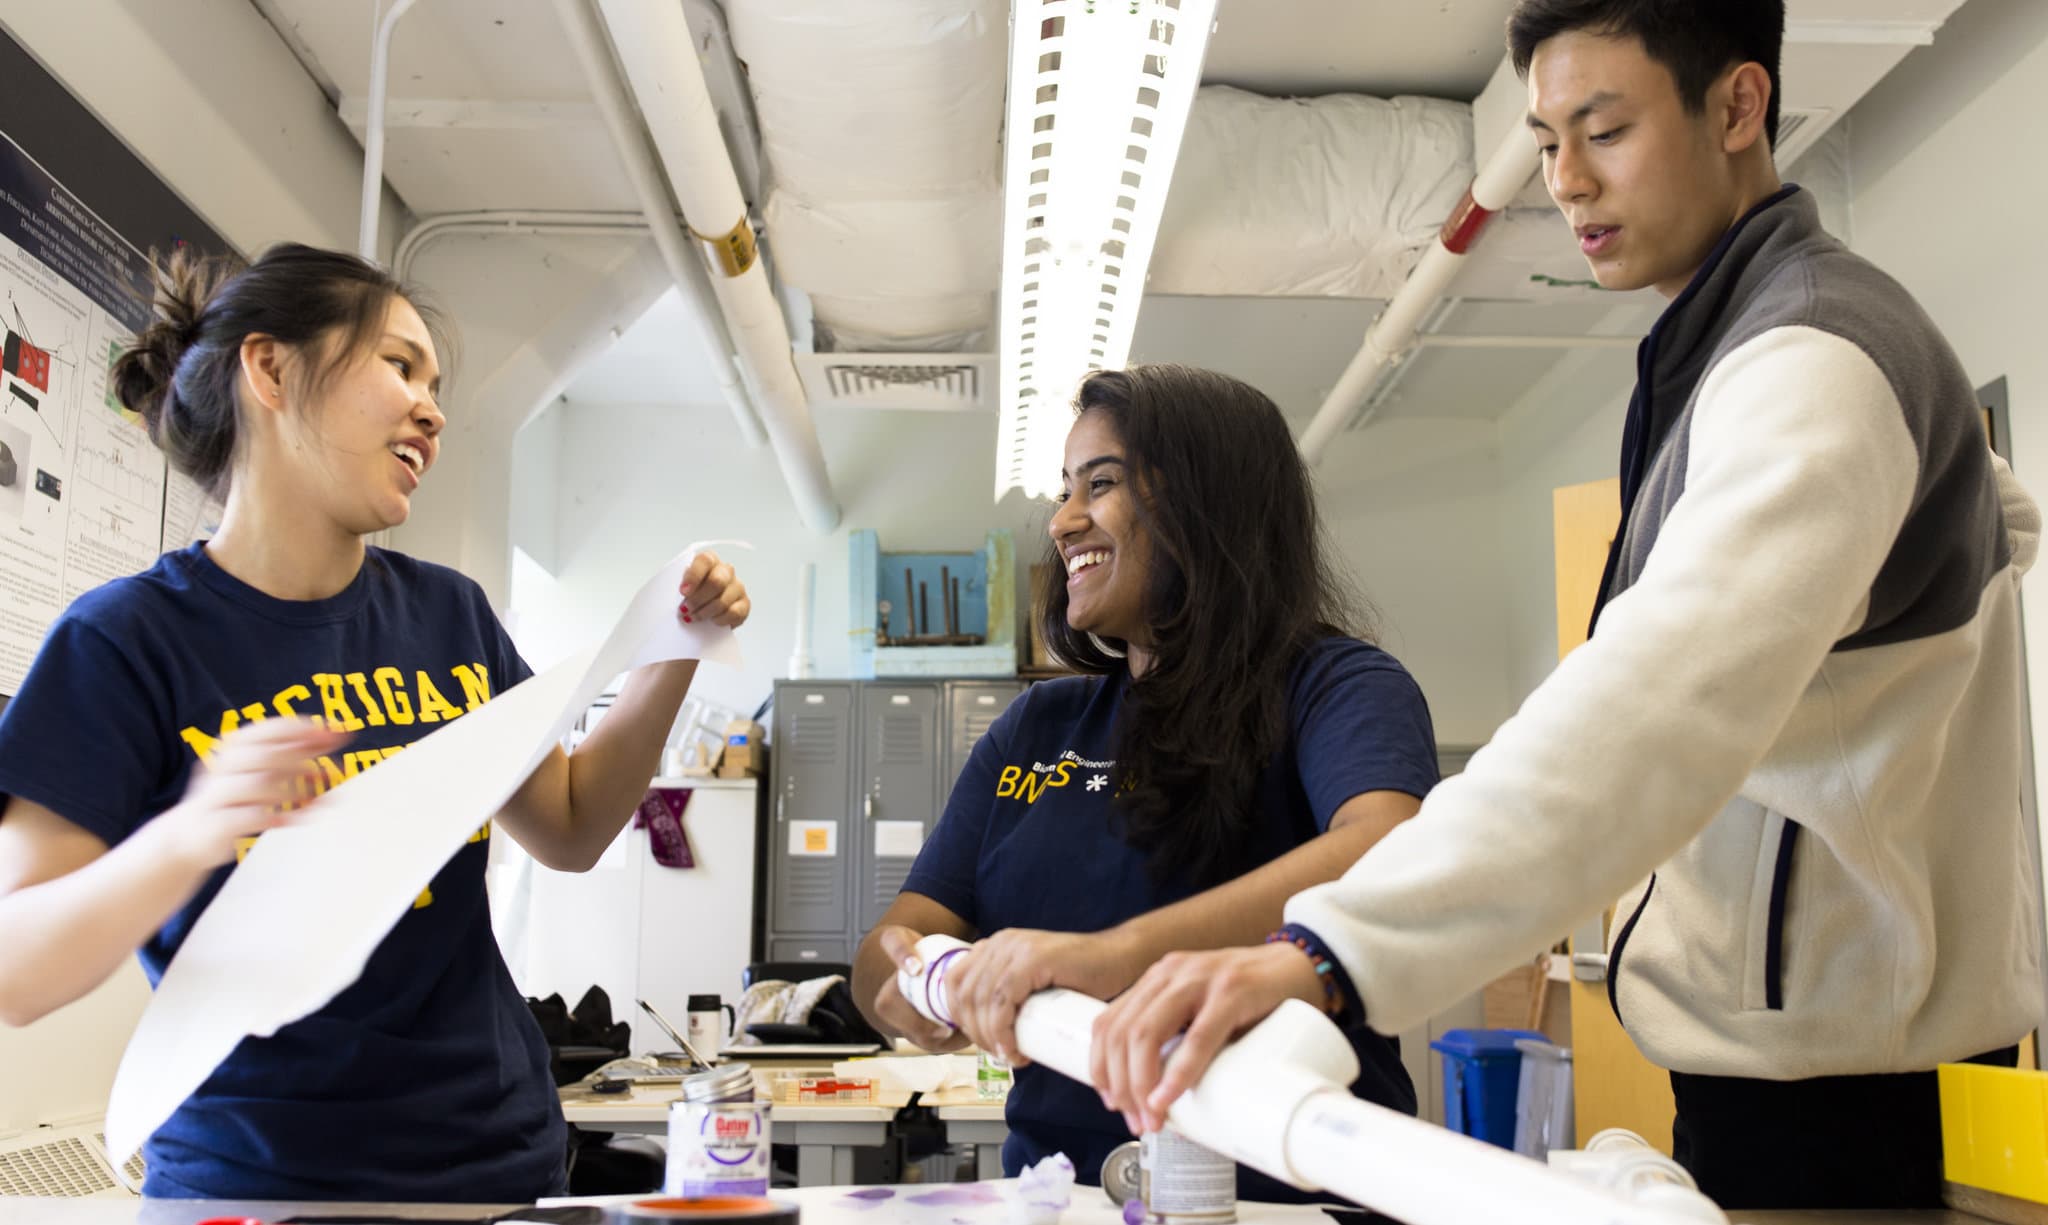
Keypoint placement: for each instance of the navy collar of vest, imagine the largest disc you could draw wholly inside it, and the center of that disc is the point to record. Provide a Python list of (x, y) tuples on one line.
[(1743, 238), (1681, 330)]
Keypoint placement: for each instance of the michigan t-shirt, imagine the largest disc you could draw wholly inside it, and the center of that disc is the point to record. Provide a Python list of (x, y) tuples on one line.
[(1031, 838), (428, 1078)]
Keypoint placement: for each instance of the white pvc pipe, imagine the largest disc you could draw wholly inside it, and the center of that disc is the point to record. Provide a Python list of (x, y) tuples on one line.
[(657, 209), (509, 221), (800, 655), (660, 60), (1275, 1100), (1441, 340), (373, 130), (1392, 336)]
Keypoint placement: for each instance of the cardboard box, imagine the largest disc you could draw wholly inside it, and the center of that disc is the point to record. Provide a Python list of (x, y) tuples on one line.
[(746, 750), (812, 1090)]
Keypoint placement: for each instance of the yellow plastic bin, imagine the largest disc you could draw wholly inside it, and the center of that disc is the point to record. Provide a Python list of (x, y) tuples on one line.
[(1994, 1129)]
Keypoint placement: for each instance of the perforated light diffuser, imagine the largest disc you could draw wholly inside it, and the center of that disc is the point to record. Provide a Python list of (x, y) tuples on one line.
[(1099, 97)]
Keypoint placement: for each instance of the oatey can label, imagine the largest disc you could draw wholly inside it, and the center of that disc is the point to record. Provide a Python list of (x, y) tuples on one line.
[(1184, 1183), (717, 1148)]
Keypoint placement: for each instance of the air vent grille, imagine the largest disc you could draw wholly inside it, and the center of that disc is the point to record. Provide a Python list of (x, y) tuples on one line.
[(57, 1168), (940, 382)]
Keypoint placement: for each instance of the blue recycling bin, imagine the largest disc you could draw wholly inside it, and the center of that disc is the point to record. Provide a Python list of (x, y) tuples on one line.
[(1482, 1070)]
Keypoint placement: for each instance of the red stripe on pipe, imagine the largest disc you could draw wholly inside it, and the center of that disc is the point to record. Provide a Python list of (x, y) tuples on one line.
[(1462, 227)]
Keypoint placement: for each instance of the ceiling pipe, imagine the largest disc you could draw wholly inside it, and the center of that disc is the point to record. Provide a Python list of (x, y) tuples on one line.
[(373, 130), (1392, 336), (1454, 340), (659, 56), (509, 222), (658, 209)]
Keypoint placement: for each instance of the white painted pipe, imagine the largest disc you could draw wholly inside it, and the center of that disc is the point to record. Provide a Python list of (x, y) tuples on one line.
[(1441, 340), (1392, 336), (660, 59), (658, 210), (800, 667), (1275, 1100), (373, 130), (509, 221)]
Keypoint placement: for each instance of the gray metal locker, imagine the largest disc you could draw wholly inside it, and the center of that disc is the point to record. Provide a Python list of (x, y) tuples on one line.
[(814, 844), (971, 707), (827, 950), (898, 787)]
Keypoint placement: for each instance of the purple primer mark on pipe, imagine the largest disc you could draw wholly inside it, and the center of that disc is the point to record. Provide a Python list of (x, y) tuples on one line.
[(1134, 1211), (959, 1195)]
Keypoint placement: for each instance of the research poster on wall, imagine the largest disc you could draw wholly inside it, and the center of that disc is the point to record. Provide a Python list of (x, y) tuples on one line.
[(83, 492)]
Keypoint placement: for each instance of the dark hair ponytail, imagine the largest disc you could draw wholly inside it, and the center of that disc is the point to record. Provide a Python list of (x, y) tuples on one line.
[(182, 371)]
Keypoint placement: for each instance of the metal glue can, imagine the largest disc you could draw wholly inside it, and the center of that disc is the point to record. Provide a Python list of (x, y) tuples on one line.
[(1183, 1183), (718, 1136), (1174, 1178)]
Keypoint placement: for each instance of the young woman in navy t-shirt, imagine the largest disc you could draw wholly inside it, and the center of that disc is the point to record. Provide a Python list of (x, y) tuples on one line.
[(1228, 743), (173, 716)]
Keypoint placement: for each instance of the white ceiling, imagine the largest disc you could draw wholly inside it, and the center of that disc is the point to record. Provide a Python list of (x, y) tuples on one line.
[(530, 140), (654, 362)]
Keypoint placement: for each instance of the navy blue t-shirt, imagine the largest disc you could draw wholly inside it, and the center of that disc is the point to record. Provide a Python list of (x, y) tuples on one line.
[(1030, 838), (428, 1078)]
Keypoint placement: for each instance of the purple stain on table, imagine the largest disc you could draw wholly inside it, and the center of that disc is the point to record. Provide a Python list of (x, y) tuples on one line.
[(1134, 1212), (869, 1197), (959, 1195)]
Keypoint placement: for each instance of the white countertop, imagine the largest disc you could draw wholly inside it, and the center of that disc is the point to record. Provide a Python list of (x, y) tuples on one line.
[(913, 1204), (698, 783)]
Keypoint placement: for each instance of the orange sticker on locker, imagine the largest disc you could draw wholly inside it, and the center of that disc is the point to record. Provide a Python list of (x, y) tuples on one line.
[(814, 838)]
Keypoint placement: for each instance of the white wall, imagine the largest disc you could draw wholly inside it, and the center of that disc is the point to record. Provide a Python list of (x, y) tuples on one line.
[(1412, 515), (640, 481), (1566, 438), (61, 1068), (1411, 506), (537, 484), (1945, 156), (528, 313)]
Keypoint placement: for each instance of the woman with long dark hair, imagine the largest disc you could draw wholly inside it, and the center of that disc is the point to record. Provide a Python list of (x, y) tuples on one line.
[(1231, 739)]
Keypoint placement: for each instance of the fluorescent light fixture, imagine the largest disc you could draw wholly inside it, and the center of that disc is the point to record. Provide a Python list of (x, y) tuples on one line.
[(1099, 97)]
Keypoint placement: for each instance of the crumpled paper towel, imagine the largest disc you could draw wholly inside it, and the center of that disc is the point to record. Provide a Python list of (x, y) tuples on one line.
[(1042, 1192)]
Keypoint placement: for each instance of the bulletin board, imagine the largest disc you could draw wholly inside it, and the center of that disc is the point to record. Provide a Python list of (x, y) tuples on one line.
[(84, 496)]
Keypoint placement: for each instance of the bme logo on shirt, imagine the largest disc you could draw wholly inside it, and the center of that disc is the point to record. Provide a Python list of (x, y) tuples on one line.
[(385, 700), (1027, 784)]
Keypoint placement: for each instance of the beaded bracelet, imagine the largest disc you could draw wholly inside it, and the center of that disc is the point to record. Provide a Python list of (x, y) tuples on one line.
[(1326, 967)]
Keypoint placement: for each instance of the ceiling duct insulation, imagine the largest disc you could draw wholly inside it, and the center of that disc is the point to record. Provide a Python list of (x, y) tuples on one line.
[(881, 125), (1322, 197), (1337, 196)]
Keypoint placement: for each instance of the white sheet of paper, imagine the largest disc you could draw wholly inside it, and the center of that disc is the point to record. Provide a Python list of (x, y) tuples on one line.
[(298, 919), (899, 839), (815, 838)]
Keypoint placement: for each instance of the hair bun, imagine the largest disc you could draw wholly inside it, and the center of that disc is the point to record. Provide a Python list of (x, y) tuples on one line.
[(185, 284)]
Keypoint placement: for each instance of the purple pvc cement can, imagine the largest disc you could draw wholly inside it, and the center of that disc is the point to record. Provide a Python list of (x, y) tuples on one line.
[(718, 1136)]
